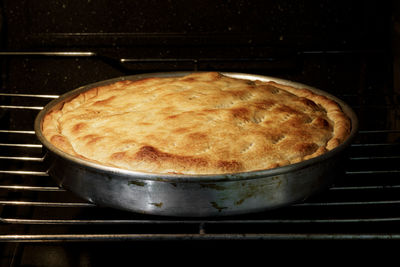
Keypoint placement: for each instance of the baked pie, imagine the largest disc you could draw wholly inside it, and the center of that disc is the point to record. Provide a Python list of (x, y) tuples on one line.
[(201, 123)]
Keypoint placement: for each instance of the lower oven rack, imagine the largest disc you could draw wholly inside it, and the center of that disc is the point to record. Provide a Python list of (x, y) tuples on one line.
[(362, 205)]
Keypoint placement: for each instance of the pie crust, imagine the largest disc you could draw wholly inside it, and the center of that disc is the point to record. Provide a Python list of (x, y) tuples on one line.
[(202, 123)]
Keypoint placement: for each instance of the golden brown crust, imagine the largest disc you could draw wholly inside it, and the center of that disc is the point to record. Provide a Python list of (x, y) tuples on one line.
[(202, 123)]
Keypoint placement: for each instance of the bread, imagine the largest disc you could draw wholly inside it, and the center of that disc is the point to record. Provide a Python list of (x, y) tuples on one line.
[(202, 123)]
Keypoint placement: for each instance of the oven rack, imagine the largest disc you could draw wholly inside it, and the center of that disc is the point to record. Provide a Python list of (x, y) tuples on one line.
[(362, 205)]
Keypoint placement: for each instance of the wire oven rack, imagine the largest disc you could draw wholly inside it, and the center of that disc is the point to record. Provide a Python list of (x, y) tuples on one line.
[(362, 205)]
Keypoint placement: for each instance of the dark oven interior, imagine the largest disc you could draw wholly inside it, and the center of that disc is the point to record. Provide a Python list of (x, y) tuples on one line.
[(348, 48)]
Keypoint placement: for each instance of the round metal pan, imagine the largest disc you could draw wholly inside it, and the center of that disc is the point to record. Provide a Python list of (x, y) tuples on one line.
[(193, 195)]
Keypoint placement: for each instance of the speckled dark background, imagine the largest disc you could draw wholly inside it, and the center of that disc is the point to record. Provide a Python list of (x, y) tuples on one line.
[(277, 31)]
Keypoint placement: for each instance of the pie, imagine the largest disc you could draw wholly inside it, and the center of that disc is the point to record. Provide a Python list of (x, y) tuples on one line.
[(201, 123)]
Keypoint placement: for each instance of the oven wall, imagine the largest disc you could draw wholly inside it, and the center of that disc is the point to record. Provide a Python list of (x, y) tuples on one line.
[(309, 41)]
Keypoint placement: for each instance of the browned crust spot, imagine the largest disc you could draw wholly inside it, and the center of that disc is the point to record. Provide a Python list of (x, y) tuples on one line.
[(78, 127), (152, 156)]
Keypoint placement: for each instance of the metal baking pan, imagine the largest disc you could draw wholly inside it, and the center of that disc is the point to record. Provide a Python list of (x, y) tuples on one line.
[(193, 195)]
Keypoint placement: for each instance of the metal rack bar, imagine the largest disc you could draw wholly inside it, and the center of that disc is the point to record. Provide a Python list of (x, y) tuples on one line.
[(20, 107), (208, 237), (21, 145), (29, 95), (22, 158), (204, 222), (16, 132), (34, 173), (47, 53), (32, 188), (46, 204), (83, 204)]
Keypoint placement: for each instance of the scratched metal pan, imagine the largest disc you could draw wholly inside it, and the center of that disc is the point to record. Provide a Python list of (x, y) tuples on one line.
[(193, 195)]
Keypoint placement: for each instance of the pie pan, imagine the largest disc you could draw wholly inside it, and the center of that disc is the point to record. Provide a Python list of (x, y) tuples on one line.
[(193, 195)]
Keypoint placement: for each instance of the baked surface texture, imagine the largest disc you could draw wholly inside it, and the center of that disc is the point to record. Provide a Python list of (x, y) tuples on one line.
[(202, 123)]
